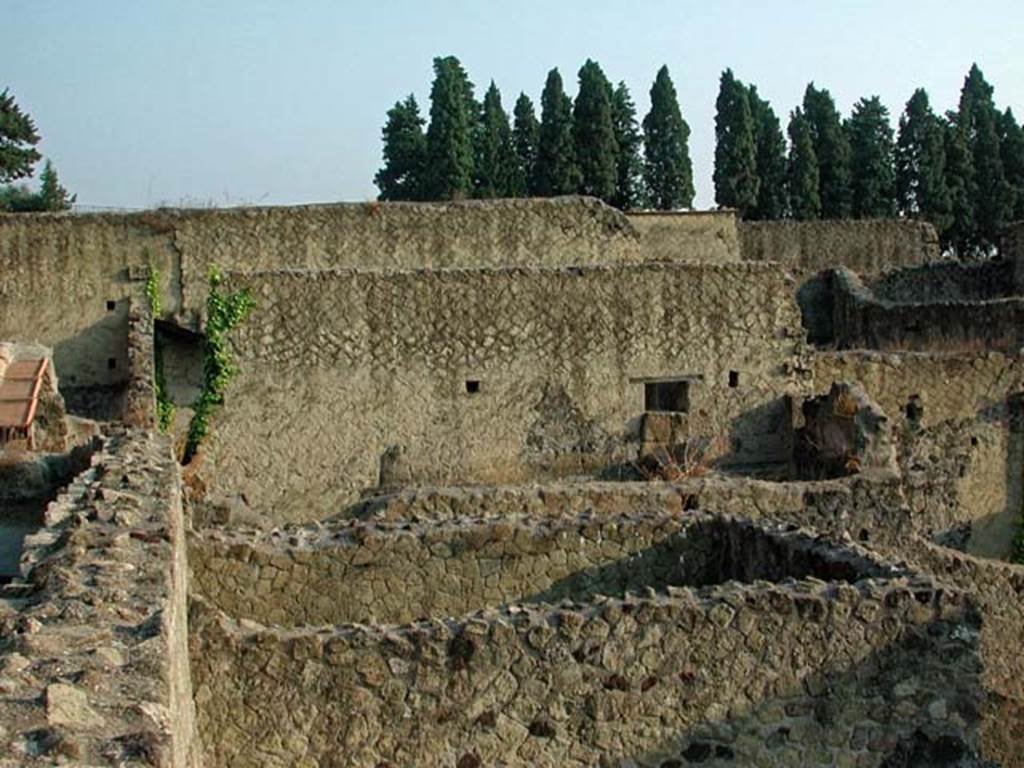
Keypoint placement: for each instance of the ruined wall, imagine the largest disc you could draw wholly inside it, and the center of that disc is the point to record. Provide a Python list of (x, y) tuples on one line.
[(338, 368), (720, 674), (704, 236), (944, 281), (960, 448), (862, 320), (58, 272), (864, 246), (95, 659), (1011, 248)]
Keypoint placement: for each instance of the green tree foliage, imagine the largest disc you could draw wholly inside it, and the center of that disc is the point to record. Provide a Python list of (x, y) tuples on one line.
[(52, 196), (961, 234), (525, 135), (556, 172), (451, 133), (832, 149), (496, 162), (921, 189), (735, 175), (18, 138), (1011, 139), (770, 146), (405, 153), (872, 151), (803, 177), (629, 177), (668, 172), (594, 134)]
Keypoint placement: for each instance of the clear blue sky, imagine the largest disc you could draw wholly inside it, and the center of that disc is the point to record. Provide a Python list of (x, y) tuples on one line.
[(141, 102)]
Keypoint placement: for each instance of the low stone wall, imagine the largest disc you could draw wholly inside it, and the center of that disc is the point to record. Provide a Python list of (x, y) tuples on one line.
[(94, 661), (864, 246), (806, 673), (944, 281), (704, 236), (384, 574)]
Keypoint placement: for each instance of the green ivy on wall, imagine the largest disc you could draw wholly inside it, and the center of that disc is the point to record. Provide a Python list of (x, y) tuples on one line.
[(164, 406), (224, 313)]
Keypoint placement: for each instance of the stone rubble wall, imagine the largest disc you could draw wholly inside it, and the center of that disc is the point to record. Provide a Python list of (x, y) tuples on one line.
[(140, 395), (806, 673), (94, 665), (944, 281), (339, 368), (865, 246), (384, 574), (697, 236)]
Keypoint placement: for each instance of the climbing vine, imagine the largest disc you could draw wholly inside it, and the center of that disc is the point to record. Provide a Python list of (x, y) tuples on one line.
[(1017, 556), (224, 313), (164, 406)]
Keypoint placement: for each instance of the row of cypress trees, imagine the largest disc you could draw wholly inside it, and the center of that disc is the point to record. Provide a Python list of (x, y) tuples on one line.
[(963, 171), (592, 145)]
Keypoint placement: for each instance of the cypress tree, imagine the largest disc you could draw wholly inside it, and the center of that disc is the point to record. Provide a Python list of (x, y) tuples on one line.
[(629, 183), (496, 160), (668, 172), (556, 171), (405, 151), (450, 136), (1011, 138), (52, 196), (921, 189), (593, 134), (735, 175), (961, 234), (803, 179), (770, 145), (872, 154), (832, 149), (18, 138), (977, 119), (524, 140)]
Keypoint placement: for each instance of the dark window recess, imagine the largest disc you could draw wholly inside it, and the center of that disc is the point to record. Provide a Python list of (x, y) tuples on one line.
[(111, 363), (111, 305), (670, 396), (734, 379), (472, 386)]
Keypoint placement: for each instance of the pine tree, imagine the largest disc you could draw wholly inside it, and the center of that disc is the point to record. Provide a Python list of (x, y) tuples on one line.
[(921, 189), (594, 135), (977, 120), (735, 175), (524, 140), (18, 138), (832, 149), (1011, 143), (52, 196), (803, 181), (668, 172), (496, 160), (629, 183), (770, 145), (556, 171), (451, 134), (405, 149), (872, 160)]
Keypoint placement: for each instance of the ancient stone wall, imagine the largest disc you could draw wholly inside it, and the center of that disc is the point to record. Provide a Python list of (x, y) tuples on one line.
[(702, 236), (94, 638), (961, 447), (798, 674), (944, 281), (492, 376), (862, 320), (1011, 248), (864, 246)]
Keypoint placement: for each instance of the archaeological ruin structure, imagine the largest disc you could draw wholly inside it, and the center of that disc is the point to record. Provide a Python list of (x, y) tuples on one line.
[(509, 483)]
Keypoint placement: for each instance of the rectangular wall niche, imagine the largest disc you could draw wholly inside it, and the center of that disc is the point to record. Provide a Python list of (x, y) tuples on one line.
[(672, 396)]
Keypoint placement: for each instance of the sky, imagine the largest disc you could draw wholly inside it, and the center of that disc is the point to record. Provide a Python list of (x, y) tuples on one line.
[(228, 102)]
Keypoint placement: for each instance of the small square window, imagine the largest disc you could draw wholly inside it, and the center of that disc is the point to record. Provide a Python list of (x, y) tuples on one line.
[(111, 305), (111, 363), (669, 396), (472, 386), (734, 379)]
